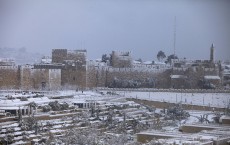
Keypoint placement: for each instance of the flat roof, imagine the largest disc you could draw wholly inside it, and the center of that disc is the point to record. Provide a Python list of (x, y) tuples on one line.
[(177, 76), (212, 77)]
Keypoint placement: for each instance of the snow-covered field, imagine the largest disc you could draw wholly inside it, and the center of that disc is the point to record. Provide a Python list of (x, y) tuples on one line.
[(83, 96), (202, 99)]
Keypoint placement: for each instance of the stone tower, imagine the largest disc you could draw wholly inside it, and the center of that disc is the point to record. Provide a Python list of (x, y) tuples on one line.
[(59, 55), (212, 53)]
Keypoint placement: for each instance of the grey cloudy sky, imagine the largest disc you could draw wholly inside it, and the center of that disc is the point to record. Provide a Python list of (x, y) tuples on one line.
[(141, 26)]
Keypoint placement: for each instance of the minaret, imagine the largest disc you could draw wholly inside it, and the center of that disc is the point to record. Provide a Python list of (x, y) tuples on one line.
[(174, 38), (212, 53)]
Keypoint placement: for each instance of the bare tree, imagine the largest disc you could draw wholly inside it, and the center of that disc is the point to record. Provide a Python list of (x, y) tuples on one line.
[(30, 123), (228, 109)]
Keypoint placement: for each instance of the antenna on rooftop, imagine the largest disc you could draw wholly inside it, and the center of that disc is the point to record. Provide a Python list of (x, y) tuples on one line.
[(174, 39), (81, 45)]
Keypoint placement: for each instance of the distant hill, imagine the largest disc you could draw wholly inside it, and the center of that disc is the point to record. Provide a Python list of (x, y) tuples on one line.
[(20, 55)]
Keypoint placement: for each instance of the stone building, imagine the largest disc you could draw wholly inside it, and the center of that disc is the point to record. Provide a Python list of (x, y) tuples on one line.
[(121, 59), (59, 55), (70, 70), (196, 73), (226, 75), (178, 81), (6, 62), (40, 76), (78, 56), (46, 77), (73, 76), (62, 55), (23, 106), (26, 77), (73, 72), (192, 74), (212, 82)]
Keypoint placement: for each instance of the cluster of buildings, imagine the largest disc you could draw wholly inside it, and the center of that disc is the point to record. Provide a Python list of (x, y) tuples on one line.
[(206, 74), (65, 68), (71, 69)]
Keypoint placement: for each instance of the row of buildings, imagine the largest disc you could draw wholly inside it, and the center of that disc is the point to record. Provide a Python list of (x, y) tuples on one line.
[(206, 74), (70, 69), (65, 68)]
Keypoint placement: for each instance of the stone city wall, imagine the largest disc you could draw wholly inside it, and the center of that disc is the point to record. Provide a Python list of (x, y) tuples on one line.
[(73, 78), (9, 77), (54, 79), (104, 76), (26, 77), (59, 55)]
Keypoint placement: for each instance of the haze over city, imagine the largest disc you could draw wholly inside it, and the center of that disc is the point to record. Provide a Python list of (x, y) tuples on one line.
[(141, 26), (115, 72)]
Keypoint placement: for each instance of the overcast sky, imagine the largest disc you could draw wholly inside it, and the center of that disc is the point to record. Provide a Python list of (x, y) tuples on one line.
[(141, 26)]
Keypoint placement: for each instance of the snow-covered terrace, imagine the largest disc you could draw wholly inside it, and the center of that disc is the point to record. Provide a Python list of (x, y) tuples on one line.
[(211, 77), (19, 103), (182, 138)]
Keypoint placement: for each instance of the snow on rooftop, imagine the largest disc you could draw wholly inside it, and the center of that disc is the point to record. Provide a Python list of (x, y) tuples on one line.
[(136, 62), (12, 103), (46, 60), (41, 100), (23, 95), (177, 76), (148, 62), (16, 103), (98, 60), (20, 142), (228, 66), (11, 108), (212, 77), (79, 101), (159, 63)]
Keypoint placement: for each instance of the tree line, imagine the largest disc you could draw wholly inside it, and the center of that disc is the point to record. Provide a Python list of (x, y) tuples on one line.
[(161, 57)]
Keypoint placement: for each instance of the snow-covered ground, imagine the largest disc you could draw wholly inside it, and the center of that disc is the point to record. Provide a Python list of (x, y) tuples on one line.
[(131, 111), (203, 99), (80, 96)]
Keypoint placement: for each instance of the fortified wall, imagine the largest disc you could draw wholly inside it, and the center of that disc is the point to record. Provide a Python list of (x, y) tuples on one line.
[(69, 70), (9, 77), (106, 76), (73, 72), (26, 82), (43, 77)]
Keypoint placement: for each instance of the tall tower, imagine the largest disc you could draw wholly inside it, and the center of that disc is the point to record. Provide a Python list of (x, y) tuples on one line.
[(212, 53), (174, 38), (59, 55)]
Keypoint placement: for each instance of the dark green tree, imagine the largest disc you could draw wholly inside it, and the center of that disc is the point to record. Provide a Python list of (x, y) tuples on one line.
[(160, 55), (105, 58), (170, 57)]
